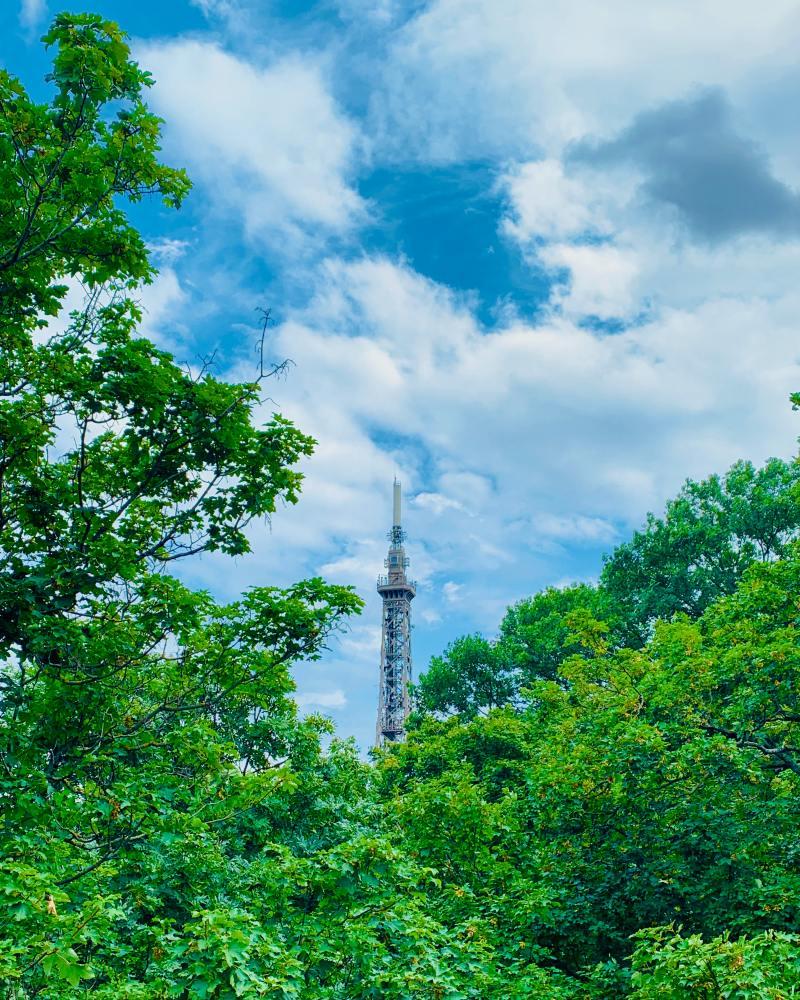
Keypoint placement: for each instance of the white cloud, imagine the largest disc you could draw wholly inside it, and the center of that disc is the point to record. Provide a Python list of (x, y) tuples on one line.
[(529, 448), (547, 204), (551, 415), (573, 528), (644, 261), (361, 643), (321, 699), (568, 223), (437, 502), (359, 565), (430, 617), (31, 13), (470, 78), (600, 279), (164, 304), (167, 250), (216, 8), (265, 141)]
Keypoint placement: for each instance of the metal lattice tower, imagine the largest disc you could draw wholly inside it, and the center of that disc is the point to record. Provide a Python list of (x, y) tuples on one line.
[(397, 592)]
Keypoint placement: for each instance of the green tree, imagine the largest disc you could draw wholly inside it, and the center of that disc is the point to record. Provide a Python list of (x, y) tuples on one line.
[(135, 713), (63, 169), (643, 787), (711, 532), (537, 633), (471, 677), (668, 966)]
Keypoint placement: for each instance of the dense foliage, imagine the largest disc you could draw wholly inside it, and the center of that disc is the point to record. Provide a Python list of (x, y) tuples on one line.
[(602, 802)]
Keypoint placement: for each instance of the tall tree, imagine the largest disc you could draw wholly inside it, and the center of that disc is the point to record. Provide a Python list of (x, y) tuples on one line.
[(711, 532), (538, 633), (471, 677), (134, 712)]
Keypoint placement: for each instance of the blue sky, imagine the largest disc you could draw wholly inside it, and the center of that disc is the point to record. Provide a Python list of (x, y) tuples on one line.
[(539, 260)]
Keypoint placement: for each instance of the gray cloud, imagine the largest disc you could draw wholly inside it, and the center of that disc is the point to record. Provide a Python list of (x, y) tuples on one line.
[(719, 181)]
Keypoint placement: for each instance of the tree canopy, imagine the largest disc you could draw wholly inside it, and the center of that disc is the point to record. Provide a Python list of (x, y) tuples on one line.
[(710, 533), (470, 678)]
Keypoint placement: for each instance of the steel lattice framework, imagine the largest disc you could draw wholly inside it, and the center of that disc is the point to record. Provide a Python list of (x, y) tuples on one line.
[(397, 592)]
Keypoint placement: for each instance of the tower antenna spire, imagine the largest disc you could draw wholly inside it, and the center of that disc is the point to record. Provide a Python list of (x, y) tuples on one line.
[(397, 592), (396, 504)]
